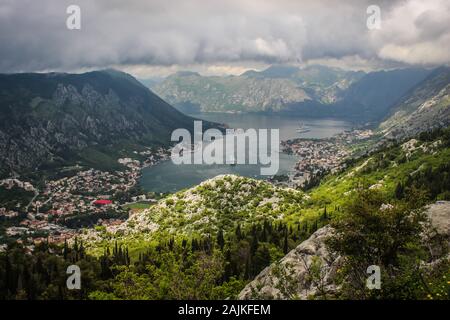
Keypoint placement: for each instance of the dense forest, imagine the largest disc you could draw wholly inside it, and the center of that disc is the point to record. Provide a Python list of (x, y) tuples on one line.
[(199, 268)]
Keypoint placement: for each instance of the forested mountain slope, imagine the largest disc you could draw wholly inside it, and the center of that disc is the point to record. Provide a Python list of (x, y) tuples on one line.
[(49, 120), (425, 107)]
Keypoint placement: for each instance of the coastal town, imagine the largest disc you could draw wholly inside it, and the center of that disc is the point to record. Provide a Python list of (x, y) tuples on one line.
[(90, 197), (318, 157), (61, 208)]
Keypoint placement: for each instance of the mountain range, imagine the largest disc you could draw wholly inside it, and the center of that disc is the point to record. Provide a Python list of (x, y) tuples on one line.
[(313, 91), (424, 107), (55, 119), (232, 236), (52, 120)]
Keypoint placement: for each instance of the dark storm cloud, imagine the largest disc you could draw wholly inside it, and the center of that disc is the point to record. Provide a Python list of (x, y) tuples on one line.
[(34, 34)]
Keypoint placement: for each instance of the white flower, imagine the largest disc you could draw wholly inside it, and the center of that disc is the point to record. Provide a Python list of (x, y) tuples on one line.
[(386, 206)]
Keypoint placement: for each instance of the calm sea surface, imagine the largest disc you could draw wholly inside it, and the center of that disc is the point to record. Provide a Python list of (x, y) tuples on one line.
[(168, 177)]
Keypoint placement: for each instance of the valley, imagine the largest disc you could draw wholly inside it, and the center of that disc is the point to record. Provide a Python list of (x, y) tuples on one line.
[(129, 215), (233, 226), (208, 159)]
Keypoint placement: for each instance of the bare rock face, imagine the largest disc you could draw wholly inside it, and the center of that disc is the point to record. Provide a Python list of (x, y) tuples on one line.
[(424, 108), (310, 269), (47, 120), (439, 215), (306, 270), (437, 236)]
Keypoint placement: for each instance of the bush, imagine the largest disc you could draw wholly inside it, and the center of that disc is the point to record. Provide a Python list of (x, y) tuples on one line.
[(373, 232)]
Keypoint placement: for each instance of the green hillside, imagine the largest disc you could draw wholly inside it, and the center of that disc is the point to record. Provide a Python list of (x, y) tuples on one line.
[(209, 241), (243, 224)]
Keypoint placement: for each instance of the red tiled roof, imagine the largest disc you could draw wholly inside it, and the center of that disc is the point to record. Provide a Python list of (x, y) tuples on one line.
[(102, 202)]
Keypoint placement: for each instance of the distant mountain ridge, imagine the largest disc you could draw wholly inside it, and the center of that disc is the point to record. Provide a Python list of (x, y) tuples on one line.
[(52, 119), (376, 92), (423, 108), (192, 92), (270, 90), (313, 91)]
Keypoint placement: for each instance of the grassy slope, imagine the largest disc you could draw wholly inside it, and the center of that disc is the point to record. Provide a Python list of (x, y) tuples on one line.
[(385, 168)]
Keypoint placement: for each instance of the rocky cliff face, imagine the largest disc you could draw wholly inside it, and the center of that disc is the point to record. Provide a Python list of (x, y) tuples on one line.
[(269, 90), (439, 215), (293, 276), (425, 107), (223, 94), (50, 118)]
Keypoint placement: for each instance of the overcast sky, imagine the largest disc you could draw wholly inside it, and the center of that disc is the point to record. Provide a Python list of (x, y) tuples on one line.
[(157, 37)]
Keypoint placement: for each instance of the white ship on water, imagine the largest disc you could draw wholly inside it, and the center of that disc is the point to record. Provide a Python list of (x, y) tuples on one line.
[(302, 128), (186, 148)]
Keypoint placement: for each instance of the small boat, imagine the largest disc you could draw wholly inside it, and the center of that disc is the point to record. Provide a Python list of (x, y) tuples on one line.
[(190, 148), (302, 128)]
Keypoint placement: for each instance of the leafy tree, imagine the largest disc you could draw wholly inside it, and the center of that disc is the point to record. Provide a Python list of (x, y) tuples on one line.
[(373, 232)]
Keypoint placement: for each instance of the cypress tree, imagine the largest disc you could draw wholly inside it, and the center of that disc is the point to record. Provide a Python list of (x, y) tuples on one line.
[(399, 191), (264, 233), (254, 245), (65, 249), (81, 250), (324, 215), (115, 250), (220, 239), (194, 245), (286, 243), (238, 232), (247, 272)]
